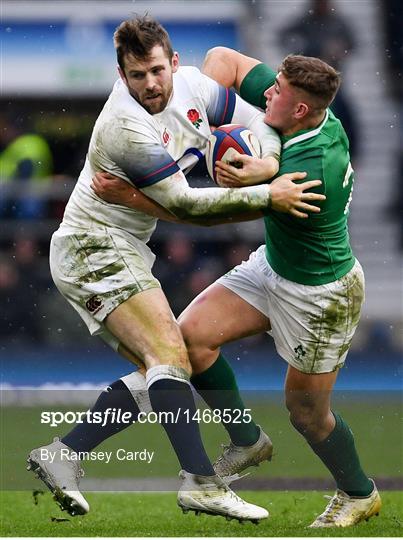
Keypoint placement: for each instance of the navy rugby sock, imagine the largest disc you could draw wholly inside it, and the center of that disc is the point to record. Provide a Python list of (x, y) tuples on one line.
[(170, 392), (85, 436), (218, 387), (340, 456)]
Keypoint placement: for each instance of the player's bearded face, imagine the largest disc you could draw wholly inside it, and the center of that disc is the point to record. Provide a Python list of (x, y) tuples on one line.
[(150, 81)]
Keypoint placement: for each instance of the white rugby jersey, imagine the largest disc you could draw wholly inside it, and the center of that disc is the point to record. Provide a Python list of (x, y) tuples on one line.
[(144, 149)]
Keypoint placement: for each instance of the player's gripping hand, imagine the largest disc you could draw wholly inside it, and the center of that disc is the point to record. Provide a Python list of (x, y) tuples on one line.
[(245, 170), (113, 189), (289, 197)]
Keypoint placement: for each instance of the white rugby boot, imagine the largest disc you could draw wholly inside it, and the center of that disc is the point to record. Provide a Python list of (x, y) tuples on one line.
[(61, 475), (210, 495), (343, 510), (236, 459)]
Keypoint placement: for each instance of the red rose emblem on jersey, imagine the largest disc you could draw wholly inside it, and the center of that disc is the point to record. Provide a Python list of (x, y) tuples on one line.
[(194, 116)]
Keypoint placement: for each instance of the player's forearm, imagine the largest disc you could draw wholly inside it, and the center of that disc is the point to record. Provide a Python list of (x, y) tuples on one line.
[(200, 202), (269, 139), (185, 202), (140, 202), (272, 166)]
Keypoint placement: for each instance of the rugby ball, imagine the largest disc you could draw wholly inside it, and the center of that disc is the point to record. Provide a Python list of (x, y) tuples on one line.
[(225, 141)]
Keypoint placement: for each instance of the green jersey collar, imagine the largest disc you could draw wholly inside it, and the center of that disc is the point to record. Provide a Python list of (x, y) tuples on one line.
[(306, 134)]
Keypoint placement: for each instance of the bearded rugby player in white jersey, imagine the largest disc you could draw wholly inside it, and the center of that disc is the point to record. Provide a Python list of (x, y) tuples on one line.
[(153, 126)]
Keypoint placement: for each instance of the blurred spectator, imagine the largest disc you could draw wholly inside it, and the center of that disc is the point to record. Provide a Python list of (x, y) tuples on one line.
[(24, 156), (19, 323), (393, 18), (324, 33), (210, 269), (177, 261), (24, 278), (185, 271), (236, 253), (396, 206), (33, 268)]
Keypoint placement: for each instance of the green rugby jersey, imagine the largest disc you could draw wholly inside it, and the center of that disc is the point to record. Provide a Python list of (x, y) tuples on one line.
[(315, 250)]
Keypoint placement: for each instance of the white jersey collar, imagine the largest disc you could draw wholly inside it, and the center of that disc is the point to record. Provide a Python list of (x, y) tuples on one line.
[(308, 134)]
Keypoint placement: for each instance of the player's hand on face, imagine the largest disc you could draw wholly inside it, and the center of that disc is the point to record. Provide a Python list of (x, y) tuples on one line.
[(292, 198), (112, 189), (245, 170)]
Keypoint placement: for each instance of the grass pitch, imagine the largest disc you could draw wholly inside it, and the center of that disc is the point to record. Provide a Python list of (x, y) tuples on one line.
[(156, 515)]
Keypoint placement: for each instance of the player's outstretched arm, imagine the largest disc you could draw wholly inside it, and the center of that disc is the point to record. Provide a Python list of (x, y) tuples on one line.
[(175, 194), (227, 66), (114, 190), (212, 206)]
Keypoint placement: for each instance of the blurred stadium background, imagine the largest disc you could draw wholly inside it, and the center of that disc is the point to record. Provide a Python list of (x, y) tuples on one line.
[(58, 66)]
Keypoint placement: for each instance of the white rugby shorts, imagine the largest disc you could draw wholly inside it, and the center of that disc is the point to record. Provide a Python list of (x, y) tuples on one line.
[(98, 270), (312, 326)]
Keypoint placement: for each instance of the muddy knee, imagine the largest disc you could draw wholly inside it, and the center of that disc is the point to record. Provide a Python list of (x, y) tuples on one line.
[(312, 423)]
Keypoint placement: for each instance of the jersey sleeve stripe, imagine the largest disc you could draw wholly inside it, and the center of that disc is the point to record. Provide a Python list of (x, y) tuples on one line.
[(195, 151), (156, 176), (225, 107)]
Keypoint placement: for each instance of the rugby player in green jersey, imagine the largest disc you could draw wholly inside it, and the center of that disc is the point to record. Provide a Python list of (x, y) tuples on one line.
[(305, 286)]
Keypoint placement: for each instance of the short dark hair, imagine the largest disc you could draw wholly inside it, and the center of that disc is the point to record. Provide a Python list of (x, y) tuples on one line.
[(317, 78), (138, 36)]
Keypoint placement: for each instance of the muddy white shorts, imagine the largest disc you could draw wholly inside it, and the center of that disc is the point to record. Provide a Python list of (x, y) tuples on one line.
[(312, 326), (98, 270)]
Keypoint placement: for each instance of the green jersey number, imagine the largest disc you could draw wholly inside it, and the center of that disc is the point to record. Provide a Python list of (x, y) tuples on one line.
[(347, 177)]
